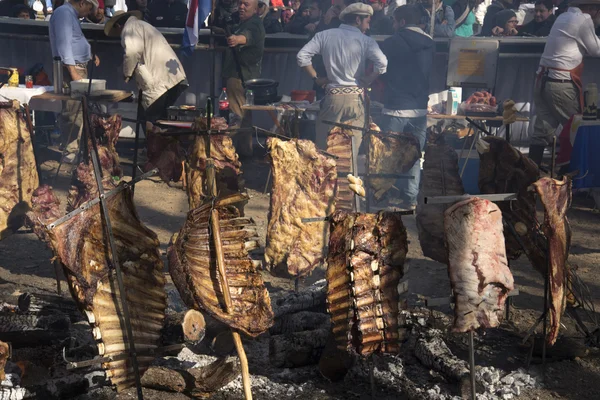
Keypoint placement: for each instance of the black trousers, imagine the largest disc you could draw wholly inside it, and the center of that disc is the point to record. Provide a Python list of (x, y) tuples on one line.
[(158, 109)]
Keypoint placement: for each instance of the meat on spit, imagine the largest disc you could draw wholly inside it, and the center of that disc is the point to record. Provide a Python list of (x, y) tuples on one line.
[(193, 267), (304, 182), (18, 173), (227, 165), (556, 198), (81, 245), (365, 265), (477, 265)]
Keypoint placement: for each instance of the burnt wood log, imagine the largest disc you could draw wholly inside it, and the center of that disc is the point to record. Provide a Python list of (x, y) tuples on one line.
[(197, 382), (309, 299), (299, 322), (46, 304), (184, 327), (298, 349), (24, 330)]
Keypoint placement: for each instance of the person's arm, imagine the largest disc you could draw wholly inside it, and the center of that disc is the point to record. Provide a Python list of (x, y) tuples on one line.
[(49, 6), (379, 60), (304, 58), (133, 44), (588, 38), (446, 29), (245, 37)]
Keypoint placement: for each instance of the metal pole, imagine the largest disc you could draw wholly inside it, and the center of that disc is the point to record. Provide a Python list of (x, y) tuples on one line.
[(472, 364), (113, 247), (140, 111)]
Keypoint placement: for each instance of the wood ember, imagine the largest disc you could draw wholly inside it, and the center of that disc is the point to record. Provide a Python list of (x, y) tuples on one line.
[(477, 264), (365, 265), (297, 349), (312, 298), (390, 153), (18, 173), (192, 265), (304, 182), (188, 327), (299, 322), (226, 161), (432, 351), (556, 198), (196, 382), (440, 177)]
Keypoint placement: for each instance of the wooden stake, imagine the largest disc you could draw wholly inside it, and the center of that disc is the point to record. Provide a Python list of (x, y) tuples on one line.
[(215, 227)]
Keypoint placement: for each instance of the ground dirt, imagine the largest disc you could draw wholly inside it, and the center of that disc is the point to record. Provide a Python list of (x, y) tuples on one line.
[(25, 266)]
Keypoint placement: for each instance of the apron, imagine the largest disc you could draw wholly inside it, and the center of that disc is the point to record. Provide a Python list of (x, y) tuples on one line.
[(542, 77)]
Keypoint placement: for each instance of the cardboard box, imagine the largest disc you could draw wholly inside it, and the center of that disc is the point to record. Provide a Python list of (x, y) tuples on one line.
[(452, 102)]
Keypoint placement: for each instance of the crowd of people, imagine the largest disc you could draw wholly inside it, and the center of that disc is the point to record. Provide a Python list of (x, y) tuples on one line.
[(341, 57), (462, 18)]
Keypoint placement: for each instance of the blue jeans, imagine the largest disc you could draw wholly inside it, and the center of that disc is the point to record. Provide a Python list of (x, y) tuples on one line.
[(409, 188)]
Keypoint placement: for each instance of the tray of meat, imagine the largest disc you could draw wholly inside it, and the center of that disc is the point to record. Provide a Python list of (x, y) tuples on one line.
[(480, 104)]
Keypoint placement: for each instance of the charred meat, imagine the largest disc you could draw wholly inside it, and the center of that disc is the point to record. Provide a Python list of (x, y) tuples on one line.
[(304, 183), (365, 265)]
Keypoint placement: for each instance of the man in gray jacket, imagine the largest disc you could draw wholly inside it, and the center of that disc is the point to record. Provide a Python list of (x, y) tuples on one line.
[(150, 60)]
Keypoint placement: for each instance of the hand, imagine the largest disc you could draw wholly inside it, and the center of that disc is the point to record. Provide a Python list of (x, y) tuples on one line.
[(444, 22), (233, 40), (310, 27), (322, 82), (333, 12), (75, 76), (513, 32), (497, 31), (96, 60)]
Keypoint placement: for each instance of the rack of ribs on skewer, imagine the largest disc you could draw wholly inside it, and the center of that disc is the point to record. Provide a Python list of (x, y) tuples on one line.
[(18, 173), (440, 177), (390, 153), (227, 165), (304, 182), (80, 244), (477, 265), (365, 265), (165, 153), (556, 198), (193, 267)]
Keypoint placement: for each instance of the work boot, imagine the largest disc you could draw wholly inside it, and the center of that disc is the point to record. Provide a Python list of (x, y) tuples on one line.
[(536, 154)]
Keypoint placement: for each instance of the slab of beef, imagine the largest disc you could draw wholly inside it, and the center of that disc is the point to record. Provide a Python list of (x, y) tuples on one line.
[(390, 153), (18, 173), (364, 267), (440, 177), (477, 265), (81, 245), (227, 165), (556, 197), (83, 184), (193, 267), (503, 169), (165, 153), (304, 182), (339, 143)]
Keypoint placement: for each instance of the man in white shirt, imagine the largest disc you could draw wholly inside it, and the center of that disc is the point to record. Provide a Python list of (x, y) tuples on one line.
[(558, 92), (345, 51)]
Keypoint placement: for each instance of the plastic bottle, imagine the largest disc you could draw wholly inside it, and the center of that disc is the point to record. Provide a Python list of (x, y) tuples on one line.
[(224, 105), (249, 98)]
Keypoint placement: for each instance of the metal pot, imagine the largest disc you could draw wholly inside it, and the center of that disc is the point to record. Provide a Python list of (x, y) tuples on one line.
[(263, 88)]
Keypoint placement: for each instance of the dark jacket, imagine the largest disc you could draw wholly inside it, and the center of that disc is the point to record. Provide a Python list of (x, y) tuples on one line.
[(250, 55), (410, 59), (538, 28), (165, 15), (271, 23), (222, 13), (381, 24), (489, 22)]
